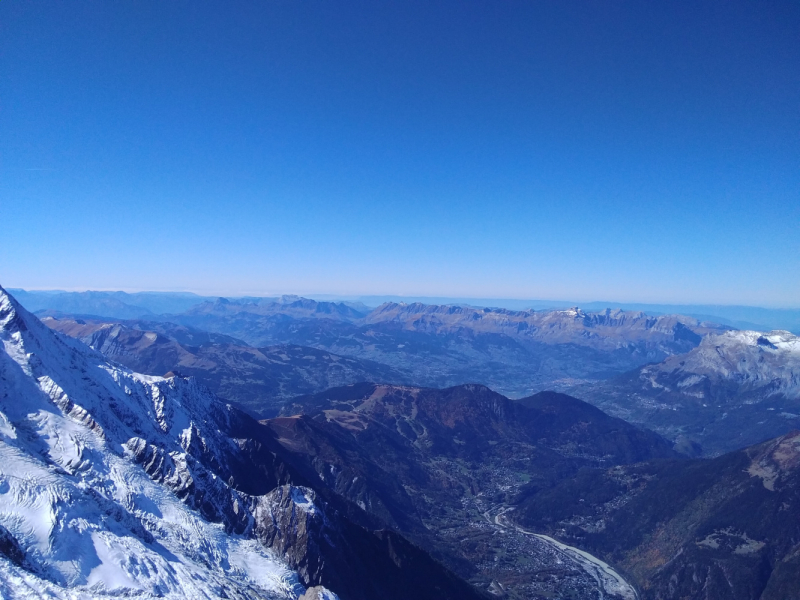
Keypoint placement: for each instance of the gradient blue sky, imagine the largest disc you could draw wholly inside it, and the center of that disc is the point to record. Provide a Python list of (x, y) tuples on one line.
[(627, 151)]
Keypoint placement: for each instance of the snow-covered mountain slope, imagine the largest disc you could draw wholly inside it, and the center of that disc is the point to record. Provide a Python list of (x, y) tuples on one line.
[(117, 484), (735, 389)]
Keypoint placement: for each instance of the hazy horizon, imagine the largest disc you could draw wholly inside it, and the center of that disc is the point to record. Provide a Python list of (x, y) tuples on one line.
[(425, 299)]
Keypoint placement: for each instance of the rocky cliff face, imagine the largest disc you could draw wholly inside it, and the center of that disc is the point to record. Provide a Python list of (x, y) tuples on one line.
[(80, 516)]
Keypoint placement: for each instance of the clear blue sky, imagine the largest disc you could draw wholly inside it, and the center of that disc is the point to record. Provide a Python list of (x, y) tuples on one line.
[(629, 151)]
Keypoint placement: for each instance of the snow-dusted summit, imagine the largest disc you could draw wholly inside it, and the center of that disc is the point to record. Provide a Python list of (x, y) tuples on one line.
[(115, 484)]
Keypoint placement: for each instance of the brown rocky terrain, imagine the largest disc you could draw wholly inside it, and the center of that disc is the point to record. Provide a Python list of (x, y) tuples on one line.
[(735, 389)]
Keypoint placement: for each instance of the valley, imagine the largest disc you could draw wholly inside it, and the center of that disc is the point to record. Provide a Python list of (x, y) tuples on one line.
[(721, 528), (609, 582), (514, 498), (434, 462)]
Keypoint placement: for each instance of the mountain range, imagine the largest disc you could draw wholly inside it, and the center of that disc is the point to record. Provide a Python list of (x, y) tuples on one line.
[(651, 370), (120, 305), (516, 353), (258, 380), (123, 305), (115, 483)]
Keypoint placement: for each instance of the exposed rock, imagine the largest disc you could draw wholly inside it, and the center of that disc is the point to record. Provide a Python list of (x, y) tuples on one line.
[(116, 482)]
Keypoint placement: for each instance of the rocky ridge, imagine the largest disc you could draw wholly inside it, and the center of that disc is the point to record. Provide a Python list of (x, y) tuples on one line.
[(258, 380), (604, 330), (514, 352)]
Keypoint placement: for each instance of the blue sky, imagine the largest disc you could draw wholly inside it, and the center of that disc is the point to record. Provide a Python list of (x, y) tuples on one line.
[(627, 151)]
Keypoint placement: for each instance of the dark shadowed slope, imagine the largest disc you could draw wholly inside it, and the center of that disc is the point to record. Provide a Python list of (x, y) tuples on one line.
[(432, 462)]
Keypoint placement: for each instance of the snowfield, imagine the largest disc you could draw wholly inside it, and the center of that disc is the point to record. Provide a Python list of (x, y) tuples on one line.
[(96, 463)]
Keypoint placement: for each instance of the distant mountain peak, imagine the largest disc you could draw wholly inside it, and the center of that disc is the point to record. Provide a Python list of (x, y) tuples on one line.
[(8, 309), (780, 340), (574, 312)]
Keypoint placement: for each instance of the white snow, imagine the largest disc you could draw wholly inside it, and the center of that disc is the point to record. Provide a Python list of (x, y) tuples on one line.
[(301, 499), (114, 570)]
